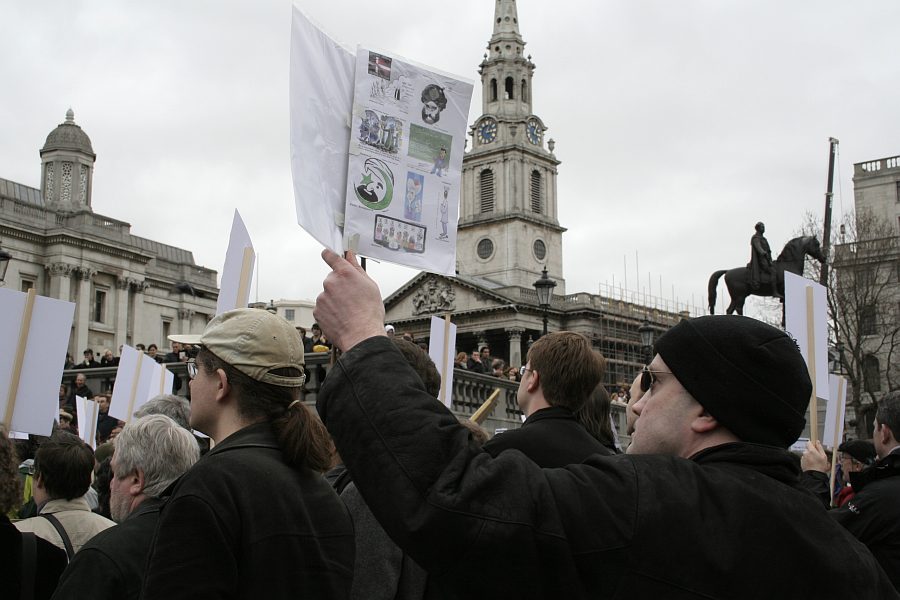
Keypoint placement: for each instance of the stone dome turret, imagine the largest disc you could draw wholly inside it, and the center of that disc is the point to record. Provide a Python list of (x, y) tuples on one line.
[(69, 136)]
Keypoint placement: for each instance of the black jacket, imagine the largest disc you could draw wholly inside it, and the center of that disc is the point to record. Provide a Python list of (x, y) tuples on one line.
[(873, 515), (50, 562), (242, 523), (112, 564), (551, 437), (727, 524)]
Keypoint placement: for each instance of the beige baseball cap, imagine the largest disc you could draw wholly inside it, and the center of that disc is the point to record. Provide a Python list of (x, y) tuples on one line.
[(253, 341)]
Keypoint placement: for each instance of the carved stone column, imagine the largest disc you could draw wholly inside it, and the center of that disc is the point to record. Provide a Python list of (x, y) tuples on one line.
[(60, 279), (83, 309), (122, 286), (515, 346), (138, 287), (185, 315)]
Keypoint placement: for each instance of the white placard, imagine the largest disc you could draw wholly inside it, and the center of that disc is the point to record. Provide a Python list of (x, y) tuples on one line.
[(442, 350), (796, 324), (135, 378), (37, 395), (407, 139), (834, 413), (162, 382), (87, 420), (321, 101), (234, 291)]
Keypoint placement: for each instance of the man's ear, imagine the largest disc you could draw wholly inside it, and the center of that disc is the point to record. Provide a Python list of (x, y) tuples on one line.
[(223, 387), (535, 382), (887, 436), (704, 422), (136, 482)]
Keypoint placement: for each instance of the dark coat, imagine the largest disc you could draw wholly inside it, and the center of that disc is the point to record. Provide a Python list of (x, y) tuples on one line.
[(873, 515), (242, 523), (551, 437), (111, 565), (50, 562), (728, 523)]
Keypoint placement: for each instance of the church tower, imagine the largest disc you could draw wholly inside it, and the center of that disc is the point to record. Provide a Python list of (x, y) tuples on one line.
[(508, 227)]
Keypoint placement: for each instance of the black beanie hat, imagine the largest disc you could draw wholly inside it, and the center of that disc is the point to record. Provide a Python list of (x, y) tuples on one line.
[(861, 450), (750, 376)]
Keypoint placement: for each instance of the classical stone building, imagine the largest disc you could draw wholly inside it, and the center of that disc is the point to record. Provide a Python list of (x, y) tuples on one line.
[(509, 233), (127, 289)]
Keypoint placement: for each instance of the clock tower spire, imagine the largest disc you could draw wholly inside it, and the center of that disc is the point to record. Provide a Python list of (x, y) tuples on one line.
[(508, 227)]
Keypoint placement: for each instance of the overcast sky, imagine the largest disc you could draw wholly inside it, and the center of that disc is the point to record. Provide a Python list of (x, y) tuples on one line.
[(679, 124)]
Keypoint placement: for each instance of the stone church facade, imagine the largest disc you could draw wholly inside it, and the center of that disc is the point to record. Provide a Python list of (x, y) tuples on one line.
[(509, 232), (127, 289)]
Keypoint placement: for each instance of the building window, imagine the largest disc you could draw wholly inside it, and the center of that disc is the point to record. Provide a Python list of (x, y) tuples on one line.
[(524, 94), (99, 311), (485, 249), (487, 191), (898, 191), (289, 314), (540, 249), (871, 373), (27, 284), (166, 328), (493, 90), (868, 320), (510, 87), (537, 192)]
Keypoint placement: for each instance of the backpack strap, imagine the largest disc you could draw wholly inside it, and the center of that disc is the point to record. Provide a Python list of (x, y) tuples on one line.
[(29, 565), (70, 552)]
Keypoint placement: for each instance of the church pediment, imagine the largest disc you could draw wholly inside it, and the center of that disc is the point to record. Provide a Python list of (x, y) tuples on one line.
[(428, 294)]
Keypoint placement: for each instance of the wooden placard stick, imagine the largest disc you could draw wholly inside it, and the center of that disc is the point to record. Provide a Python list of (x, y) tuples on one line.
[(162, 379), (486, 408), (134, 385), (94, 422), (443, 395), (836, 442), (811, 354), (243, 288), (19, 357)]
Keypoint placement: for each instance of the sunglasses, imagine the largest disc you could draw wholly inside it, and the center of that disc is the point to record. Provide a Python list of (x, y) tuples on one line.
[(648, 378)]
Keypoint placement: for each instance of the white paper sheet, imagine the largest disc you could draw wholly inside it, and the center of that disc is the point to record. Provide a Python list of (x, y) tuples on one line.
[(795, 319), (123, 404), (444, 362), (37, 397), (834, 414), (407, 139), (321, 101), (234, 291)]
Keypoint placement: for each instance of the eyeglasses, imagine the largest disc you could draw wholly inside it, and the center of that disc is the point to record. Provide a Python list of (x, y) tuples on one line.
[(191, 368), (648, 378), (522, 370)]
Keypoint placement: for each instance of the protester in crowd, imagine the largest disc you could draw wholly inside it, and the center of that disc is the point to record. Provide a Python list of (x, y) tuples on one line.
[(175, 407), (108, 360), (389, 330), (307, 341), (409, 337), (80, 388), (498, 367), (70, 362), (474, 363), (461, 361), (512, 373), (151, 453), (318, 339), (254, 518), (65, 422), (33, 554), (382, 570), (62, 474), (712, 509), (560, 372), (873, 515), (595, 415), (854, 456), (105, 422), (88, 362), (153, 352), (102, 477)]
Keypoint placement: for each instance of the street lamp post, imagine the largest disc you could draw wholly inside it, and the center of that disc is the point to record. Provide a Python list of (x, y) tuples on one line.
[(4, 264), (646, 332), (544, 288)]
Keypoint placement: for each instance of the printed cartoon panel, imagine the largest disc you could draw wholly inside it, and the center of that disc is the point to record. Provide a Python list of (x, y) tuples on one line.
[(398, 235)]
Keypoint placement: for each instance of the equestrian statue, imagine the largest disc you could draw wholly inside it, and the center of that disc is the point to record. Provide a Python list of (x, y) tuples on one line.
[(762, 276)]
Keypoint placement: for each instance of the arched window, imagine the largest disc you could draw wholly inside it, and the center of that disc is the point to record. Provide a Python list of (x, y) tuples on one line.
[(493, 90), (524, 94), (487, 191), (871, 373), (510, 87), (537, 192)]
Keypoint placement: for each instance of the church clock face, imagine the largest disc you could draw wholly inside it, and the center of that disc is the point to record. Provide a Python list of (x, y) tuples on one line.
[(533, 131), (487, 131)]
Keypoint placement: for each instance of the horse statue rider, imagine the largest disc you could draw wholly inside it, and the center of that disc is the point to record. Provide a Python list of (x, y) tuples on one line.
[(760, 267)]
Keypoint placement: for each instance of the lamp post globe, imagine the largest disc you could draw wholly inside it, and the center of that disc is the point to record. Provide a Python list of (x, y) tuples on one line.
[(544, 288), (646, 333)]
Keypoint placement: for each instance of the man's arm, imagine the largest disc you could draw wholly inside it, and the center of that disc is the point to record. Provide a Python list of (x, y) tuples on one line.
[(91, 574)]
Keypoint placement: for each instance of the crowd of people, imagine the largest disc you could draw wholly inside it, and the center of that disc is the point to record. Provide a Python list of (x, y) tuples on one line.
[(387, 494)]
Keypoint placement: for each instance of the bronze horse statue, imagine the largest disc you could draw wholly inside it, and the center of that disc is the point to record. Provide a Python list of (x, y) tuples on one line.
[(738, 280)]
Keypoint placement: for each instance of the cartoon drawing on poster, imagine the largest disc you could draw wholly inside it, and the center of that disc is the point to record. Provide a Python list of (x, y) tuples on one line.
[(407, 120), (433, 102), (380, 131), (375, 185), (412, 208)]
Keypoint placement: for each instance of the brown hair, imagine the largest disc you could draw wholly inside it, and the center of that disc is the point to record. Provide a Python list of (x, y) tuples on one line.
[(594, 415), (302, 436), (569, 368), (422, 364), (10, 483), (64, 464)]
